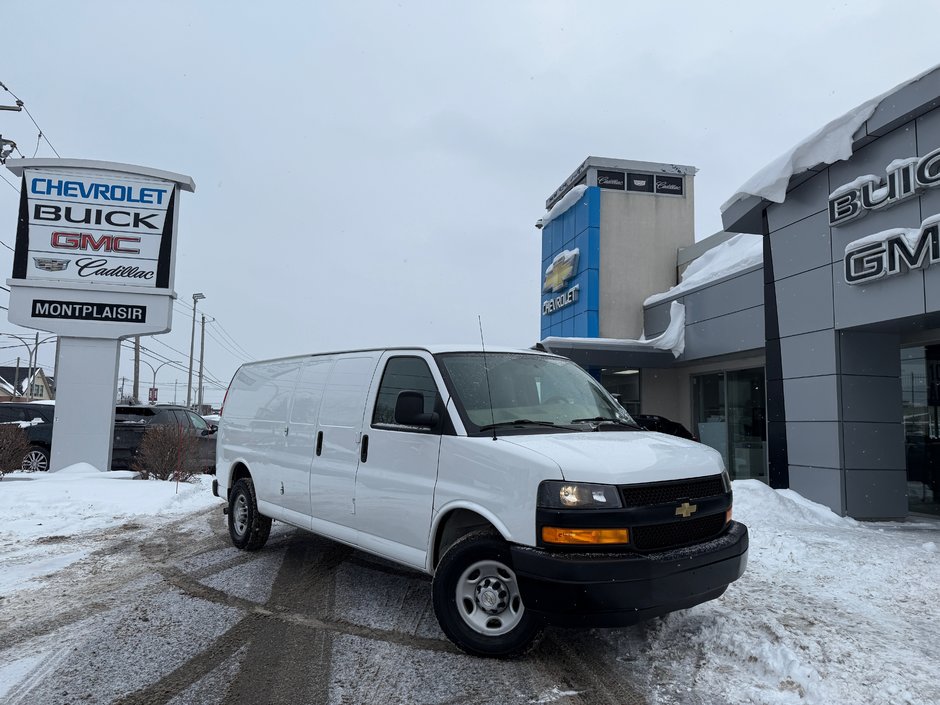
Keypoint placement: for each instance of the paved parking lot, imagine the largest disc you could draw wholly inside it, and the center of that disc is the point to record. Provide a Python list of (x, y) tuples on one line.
[(182, 617)]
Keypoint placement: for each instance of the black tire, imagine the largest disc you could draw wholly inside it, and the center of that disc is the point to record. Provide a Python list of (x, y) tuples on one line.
[(247, 527), (36, 460), (477, 601)]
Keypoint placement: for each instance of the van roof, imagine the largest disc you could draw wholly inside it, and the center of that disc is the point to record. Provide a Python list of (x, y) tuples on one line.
[(433, 349)]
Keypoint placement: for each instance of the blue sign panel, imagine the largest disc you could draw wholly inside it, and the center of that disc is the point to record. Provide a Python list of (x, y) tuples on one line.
[(570, 270)]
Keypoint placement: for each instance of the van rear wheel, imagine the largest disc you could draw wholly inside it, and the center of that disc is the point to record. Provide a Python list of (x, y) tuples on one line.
[(477, 599), (247, 527)]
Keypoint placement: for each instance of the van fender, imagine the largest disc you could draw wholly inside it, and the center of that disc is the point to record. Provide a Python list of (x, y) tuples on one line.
[(227, 473), (469, 506)]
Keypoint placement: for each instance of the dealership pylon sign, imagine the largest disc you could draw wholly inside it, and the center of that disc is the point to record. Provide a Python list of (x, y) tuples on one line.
[(94, 262)]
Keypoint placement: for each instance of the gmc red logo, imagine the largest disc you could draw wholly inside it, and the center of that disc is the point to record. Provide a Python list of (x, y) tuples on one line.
[(103, 243)]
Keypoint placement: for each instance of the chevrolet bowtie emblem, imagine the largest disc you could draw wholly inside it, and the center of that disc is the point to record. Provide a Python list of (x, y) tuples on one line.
[(562, 268), (685, 510)]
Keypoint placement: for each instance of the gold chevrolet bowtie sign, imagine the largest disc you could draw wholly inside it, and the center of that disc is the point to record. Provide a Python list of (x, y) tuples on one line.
[(562, 268), (685, 510)]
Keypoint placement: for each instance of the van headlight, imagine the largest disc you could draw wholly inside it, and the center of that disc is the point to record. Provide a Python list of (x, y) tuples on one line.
[(556, 494)]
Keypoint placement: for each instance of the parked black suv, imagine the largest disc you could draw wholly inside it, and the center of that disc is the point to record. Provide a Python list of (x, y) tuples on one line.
[(36, 420), (663, 425), (130, 422)]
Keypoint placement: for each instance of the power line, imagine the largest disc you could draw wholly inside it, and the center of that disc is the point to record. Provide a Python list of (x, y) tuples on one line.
[(9, 183), (41, 135), (234, 342), (179, 365), (228, 348)]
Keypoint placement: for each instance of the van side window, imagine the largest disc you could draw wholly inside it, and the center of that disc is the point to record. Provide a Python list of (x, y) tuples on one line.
[(403, 375)]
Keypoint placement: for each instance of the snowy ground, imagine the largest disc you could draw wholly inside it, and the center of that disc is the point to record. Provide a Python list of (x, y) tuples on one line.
[(830, 610)]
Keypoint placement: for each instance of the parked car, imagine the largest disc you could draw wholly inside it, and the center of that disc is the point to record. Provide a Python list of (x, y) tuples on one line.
[(130, 424), (661, 424), (511, 477), (36, 421)]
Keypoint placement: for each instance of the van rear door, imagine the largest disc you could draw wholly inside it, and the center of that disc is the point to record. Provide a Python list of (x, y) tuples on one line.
[(337, 444), (396, 477)]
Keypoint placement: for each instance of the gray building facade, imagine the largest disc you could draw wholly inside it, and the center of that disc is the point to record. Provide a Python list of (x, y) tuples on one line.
[(819, 370)]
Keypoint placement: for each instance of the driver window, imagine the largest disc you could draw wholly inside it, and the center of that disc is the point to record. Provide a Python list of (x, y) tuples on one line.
[(403, 374)]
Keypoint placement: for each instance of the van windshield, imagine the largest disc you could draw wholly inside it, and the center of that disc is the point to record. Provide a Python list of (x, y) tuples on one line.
[(530, 393)]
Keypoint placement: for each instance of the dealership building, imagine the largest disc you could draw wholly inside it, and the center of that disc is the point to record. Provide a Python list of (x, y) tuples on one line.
[(803, 341)]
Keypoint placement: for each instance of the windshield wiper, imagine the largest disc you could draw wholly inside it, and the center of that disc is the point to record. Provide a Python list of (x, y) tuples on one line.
[(607, 419), (517, 422)]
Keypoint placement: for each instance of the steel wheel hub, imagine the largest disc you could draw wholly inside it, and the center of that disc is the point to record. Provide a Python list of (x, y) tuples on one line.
[(488, 598), (240, 515)]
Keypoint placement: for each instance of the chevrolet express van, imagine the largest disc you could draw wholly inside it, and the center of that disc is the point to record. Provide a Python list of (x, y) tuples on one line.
[(511, 477)]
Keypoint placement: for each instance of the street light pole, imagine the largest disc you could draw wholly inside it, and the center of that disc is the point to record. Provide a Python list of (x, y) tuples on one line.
[(202, 354), (192, 343), (32, 360), (157, 369)]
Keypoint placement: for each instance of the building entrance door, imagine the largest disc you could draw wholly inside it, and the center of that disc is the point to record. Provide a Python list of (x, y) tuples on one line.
[(920, 396), (729, 415)]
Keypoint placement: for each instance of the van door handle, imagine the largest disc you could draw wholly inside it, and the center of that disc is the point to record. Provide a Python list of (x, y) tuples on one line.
[(364, 449), (319, 442)]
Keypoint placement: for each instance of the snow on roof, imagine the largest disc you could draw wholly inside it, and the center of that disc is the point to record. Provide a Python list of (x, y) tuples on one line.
[(829, 144), (672, 339), (568, 200), (733, 255)]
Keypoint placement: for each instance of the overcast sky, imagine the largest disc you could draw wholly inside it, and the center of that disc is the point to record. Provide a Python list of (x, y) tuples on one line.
[(370, 173)]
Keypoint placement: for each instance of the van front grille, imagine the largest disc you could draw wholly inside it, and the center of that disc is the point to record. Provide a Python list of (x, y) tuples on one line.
[(678, 533), (671, 491)]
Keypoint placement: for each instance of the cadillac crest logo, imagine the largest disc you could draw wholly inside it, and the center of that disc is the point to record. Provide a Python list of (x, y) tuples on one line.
[(49, 264)]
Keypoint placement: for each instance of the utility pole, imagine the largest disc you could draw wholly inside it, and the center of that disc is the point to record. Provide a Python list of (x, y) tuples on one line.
[(33, 363), (192, 343), (202, 353), (137, 368)]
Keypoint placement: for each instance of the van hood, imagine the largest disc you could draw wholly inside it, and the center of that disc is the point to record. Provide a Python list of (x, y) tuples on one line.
[(622, 457)]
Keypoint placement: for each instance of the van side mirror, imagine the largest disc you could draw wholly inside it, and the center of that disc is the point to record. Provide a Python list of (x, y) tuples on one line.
[(409, 410)]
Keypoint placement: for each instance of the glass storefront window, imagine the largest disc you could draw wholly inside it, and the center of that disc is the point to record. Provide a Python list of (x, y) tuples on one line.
[(920, 398), (729, 415), (626, 383)]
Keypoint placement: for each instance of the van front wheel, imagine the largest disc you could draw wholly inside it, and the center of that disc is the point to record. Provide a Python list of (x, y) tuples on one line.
[(247, 527), (477, 600)]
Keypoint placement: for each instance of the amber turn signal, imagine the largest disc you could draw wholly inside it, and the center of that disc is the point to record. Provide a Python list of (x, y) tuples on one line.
[(583, 537), (728, 515)]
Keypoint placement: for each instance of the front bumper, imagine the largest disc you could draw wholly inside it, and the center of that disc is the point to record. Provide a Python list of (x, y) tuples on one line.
[(618, 589)]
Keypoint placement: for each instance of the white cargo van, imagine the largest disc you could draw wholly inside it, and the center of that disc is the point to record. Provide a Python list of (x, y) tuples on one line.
[(512, 477)]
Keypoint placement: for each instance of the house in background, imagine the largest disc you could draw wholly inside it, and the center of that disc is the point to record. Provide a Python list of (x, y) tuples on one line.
[(23, 384)]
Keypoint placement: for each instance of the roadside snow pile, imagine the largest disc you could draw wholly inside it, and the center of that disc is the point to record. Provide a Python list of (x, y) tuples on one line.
[(733, 255), (81, 498), (830, 610)]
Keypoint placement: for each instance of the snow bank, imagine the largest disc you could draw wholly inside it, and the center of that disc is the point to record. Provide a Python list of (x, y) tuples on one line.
[(830, 610), (733, 255), (81, 498), (829, 144)]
